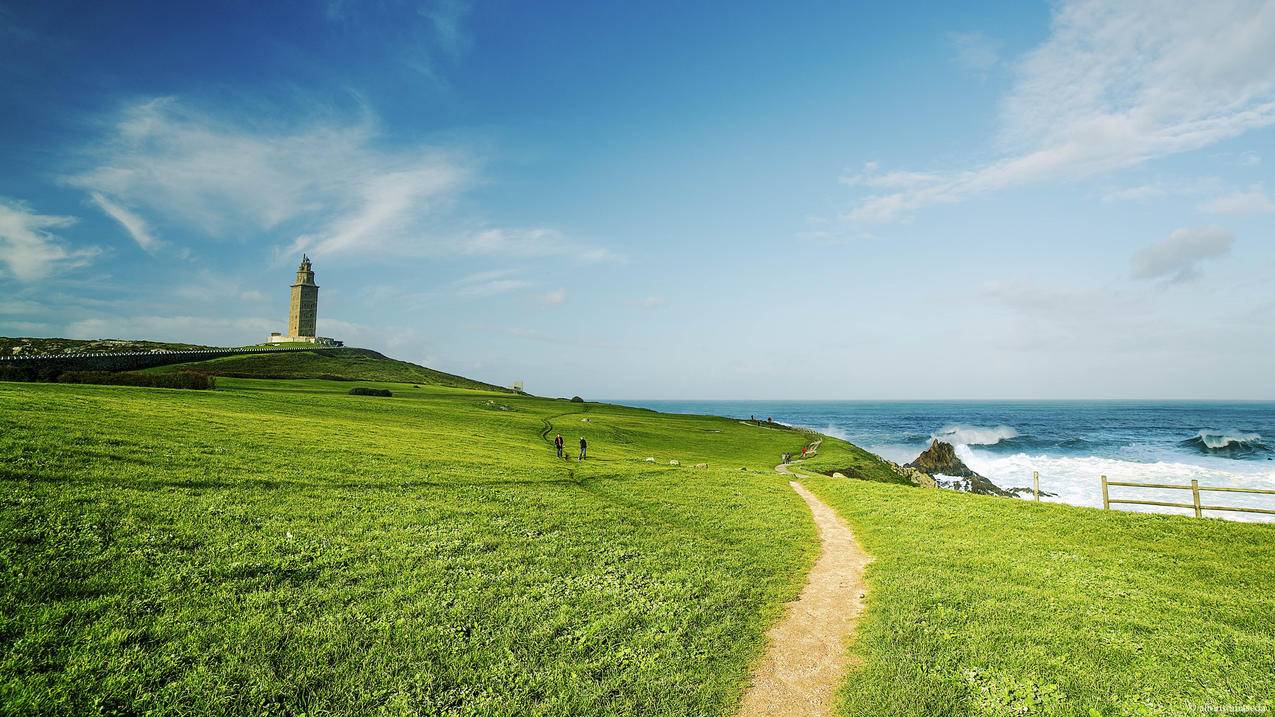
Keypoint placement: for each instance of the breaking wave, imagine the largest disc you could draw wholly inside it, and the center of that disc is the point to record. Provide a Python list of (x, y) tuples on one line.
[(1076, 479), (959, 435), (1230, 444)]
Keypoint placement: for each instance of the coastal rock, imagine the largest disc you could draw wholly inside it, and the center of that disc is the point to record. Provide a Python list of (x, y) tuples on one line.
[(675, 462), (650, 459), (940, 460), (701, 465), (838, 475)]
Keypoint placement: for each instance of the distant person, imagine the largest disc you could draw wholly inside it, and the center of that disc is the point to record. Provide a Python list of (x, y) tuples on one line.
[(803, 452), (559, 443), (584, 447)]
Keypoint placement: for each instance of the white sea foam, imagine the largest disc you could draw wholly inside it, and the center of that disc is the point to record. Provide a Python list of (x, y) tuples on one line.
[(1222, 439), (960, 435), (834, 431), (1076, 479)]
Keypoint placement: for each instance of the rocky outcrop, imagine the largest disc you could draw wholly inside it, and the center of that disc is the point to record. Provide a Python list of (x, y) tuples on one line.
[(916, 477), (941, 464)]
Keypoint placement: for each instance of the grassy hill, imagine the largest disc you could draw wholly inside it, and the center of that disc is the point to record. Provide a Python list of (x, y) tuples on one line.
[(346, 364), (29, 345), (281, 547)]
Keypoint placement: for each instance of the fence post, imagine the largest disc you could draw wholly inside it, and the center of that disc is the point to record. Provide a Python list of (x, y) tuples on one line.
[(1036, 484), (1195, 493), (1106, 502)]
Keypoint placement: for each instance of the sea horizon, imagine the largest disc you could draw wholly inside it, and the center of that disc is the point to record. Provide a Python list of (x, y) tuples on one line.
[(1070, 443)]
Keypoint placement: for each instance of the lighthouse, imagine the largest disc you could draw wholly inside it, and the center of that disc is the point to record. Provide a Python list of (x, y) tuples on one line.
[(303, 311)]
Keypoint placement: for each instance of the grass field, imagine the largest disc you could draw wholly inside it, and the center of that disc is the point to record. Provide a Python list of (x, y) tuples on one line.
[(24, 345), (347, 364), (281, 547), (994, 606)]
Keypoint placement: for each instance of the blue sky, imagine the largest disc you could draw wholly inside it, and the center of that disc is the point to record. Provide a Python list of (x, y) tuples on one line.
[(649, 200)]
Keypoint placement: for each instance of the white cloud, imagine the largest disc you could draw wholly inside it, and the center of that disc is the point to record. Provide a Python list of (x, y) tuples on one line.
[(534, 242), (1116, 84), (327, 184), (872, 177), (490, 283), (974, 50), (206, 330), (1179, 257), (1137, 193), (325, 187), (514, 242), (1253, 201), (29, 249), (133, 224), (557, 297), (650, 302), (447, 19)]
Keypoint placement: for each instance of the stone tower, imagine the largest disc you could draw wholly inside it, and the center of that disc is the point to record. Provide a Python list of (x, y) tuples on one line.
[(305, 302)]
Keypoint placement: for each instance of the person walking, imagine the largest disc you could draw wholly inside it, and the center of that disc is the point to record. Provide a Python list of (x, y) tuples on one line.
[(559, 443), (584, 447)]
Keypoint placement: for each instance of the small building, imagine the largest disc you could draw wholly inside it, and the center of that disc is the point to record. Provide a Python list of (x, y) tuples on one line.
[(303, 312)]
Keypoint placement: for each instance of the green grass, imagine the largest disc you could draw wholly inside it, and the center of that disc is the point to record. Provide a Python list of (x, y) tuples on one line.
[(345, 364), (29, 345), (852, 461), (280, 547), (991, 606)]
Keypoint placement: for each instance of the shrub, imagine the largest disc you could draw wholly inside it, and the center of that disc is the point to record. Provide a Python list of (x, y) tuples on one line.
[(45, 374), (577, 399), (181, 379), (365, 391)]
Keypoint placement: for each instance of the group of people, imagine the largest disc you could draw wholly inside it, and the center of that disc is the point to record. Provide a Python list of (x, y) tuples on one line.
[(560, 444)]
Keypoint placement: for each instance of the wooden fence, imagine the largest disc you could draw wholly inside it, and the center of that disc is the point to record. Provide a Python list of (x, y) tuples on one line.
[(1195, 488)]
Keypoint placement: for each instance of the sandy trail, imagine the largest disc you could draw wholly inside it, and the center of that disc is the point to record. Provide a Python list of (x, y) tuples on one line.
[(806, 658)]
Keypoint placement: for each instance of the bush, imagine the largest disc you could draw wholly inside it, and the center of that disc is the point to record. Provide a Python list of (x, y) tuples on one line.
[(365, 391), (577, 399), (48, 374), (181, 379)]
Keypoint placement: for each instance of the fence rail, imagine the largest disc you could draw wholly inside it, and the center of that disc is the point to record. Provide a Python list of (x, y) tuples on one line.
[(1195, 488)]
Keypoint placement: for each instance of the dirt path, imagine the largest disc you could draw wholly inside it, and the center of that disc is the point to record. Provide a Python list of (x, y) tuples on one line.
[(806, 658)]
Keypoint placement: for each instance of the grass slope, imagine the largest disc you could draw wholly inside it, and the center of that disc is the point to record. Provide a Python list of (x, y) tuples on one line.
[(28, 345), (348, 364), (991, 606), (280, 547)]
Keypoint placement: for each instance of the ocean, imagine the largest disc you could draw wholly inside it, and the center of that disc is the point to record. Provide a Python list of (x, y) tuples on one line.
[(1070, 443)]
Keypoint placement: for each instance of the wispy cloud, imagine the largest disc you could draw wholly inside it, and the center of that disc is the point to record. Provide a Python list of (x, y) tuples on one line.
[(1115, 85), (534, 242), (29, 249), (1179, 257), (974, 50), (649, 302), (1161, 189), (216, 330), (426, 37), (490, 283), (1254, 200), (133, 224), (872, 176), (557, 297), (326, 184)]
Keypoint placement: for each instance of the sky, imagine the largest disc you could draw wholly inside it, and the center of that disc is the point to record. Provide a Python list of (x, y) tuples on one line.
[(804, 200)]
